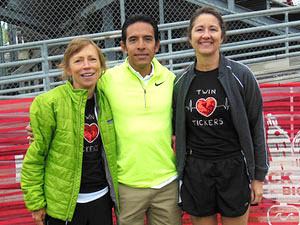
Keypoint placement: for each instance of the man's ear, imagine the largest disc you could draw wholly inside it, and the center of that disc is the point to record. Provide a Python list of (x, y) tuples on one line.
[(123, 46), (157, 46)]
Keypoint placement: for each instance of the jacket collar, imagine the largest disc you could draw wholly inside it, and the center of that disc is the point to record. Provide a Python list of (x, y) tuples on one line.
[(156, 70), (222, 66), (77, 94)]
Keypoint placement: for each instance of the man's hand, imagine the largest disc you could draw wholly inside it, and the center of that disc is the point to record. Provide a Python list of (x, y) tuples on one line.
[(30, 136), (39, 216), (256, 192)]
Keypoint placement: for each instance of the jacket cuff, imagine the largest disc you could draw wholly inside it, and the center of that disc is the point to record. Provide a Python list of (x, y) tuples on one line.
[(260, 175)]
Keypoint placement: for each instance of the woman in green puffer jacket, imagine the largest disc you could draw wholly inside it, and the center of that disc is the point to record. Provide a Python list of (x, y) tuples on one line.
[(69, 174)]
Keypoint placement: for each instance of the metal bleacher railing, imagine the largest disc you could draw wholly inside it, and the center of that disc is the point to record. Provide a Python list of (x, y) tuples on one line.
[(30, 77)]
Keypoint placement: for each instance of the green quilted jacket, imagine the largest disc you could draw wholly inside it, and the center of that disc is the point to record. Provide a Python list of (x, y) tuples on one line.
[(51, 171)]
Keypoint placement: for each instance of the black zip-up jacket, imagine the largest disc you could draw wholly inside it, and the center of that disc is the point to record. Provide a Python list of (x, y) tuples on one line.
[(246, 104)]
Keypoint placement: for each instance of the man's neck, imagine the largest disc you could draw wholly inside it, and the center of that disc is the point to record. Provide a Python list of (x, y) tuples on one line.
[(142, 70)]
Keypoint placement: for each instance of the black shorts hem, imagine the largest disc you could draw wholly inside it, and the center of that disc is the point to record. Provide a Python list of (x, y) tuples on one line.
[(214, 213), (199, 215), (235, 215)]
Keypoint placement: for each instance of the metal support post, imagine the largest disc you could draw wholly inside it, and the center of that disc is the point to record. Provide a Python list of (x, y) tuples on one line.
[(45, 67)]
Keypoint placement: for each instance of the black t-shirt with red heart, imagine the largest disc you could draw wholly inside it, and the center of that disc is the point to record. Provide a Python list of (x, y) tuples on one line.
[(93, 174), (210, 130)]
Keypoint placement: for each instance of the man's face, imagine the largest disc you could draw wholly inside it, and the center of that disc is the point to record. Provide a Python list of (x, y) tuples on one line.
[(140, 45)]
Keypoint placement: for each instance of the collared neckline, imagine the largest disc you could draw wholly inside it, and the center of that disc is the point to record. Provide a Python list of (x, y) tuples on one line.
[(147, 77)]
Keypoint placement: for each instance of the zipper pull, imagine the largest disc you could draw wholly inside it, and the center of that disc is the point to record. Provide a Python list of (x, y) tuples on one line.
[(66, 222)]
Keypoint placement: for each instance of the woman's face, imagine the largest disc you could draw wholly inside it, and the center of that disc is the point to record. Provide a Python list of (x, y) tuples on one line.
[(206, 35), (85, 68)]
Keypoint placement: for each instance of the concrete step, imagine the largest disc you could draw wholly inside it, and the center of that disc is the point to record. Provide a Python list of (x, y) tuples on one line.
[(277, 71)]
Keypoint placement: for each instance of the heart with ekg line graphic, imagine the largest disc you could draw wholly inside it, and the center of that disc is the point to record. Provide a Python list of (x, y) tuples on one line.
[(91, 132), (207, 106)]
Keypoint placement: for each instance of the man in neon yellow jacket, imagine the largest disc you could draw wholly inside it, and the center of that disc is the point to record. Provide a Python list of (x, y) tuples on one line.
[(140, 95)]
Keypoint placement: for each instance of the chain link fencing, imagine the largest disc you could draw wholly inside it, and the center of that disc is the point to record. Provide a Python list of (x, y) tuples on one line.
[(33, 20), (25, 21)]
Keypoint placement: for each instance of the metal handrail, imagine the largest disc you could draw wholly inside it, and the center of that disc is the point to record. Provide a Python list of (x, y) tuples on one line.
[(166, 42)]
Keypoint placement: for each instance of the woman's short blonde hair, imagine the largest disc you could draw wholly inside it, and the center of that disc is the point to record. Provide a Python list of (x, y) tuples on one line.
[(75, 46)]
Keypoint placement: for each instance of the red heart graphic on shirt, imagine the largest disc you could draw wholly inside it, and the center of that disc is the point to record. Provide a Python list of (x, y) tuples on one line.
[(91, 132), (206, 107)]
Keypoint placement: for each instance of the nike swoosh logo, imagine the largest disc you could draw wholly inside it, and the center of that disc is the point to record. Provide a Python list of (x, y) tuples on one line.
[(157, 84)]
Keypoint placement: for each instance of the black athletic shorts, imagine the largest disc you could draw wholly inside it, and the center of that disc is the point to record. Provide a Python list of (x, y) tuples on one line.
[(215, 186)]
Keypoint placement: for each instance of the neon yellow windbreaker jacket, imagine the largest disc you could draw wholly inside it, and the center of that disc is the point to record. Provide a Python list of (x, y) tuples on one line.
[(143, 123)]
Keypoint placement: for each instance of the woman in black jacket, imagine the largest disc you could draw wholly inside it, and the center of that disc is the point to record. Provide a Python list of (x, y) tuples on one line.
[(219, 127)]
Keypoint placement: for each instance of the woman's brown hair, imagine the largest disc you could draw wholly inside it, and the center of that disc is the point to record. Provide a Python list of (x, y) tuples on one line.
[(206, 10)]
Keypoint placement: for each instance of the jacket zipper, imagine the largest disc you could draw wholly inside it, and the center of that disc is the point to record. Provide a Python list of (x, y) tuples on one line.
[(68, 212), (184, 97), (145, 92), (108, 175), (110, 180), (244, 157), (246, 164)]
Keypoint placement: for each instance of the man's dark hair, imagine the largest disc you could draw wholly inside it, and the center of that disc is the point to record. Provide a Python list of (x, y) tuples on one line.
[(139, 18)]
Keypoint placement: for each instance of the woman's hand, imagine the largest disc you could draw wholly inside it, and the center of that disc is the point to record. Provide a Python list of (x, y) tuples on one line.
[(256, 192), (29, 133), (39, 216)]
